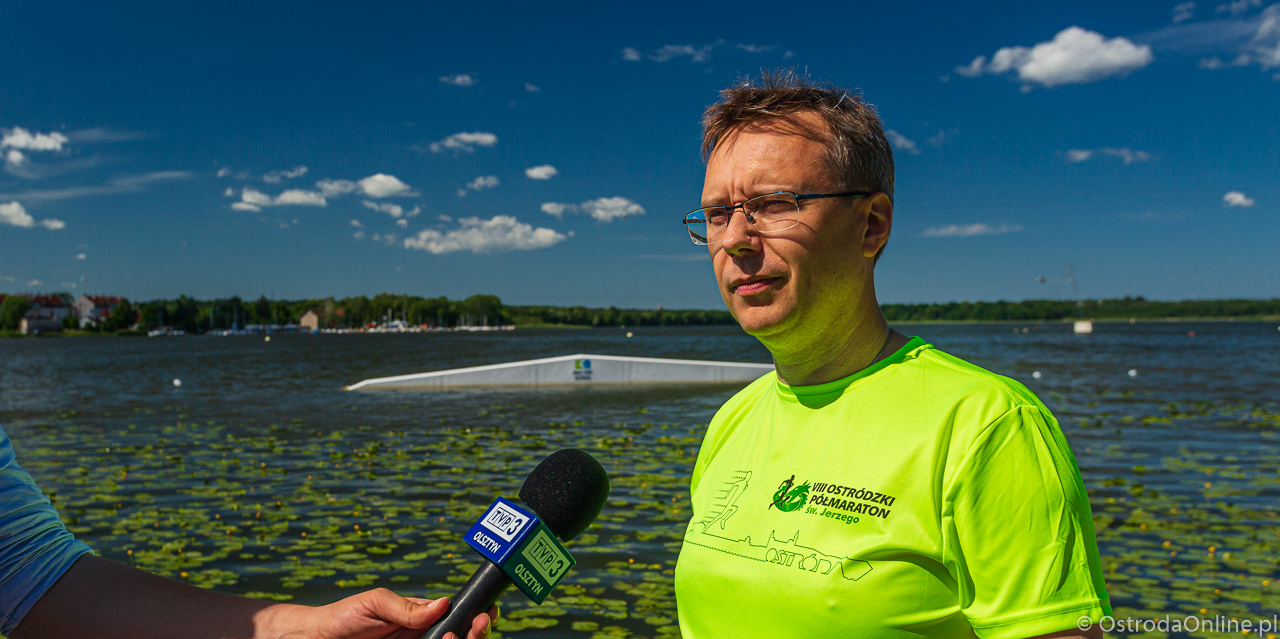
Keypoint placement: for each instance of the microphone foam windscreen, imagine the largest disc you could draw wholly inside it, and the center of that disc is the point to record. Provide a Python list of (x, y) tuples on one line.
[(567, 490)]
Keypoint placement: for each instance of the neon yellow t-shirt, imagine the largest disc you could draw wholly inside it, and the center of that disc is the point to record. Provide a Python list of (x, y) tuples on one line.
[(921, 497)]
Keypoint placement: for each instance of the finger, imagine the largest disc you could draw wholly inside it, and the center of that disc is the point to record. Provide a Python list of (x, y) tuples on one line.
[(480, 626), (493, 613), (392, 608)]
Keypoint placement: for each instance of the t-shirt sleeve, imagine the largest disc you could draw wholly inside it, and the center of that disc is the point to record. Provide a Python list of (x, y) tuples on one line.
[(1018, 531), (35, 548)]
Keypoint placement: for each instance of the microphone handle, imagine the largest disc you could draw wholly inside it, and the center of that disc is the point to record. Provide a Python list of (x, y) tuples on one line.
[(487, 583)]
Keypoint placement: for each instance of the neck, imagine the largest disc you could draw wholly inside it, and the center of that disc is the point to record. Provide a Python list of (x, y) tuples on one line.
[(833, 351)]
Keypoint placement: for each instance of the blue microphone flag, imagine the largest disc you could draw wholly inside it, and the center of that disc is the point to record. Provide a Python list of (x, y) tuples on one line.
[(526, 550)]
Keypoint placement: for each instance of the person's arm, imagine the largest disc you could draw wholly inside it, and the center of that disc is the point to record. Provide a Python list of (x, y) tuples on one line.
[(105, 599), (1019, 532)]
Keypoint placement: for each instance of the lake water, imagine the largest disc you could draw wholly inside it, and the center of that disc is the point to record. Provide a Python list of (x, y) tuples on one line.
[(261, 476)]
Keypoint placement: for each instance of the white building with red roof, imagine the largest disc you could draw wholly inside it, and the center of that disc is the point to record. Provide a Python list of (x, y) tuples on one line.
[(94, 309)]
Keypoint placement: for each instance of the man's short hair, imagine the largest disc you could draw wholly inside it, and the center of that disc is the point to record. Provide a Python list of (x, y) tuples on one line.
[(858, 155)]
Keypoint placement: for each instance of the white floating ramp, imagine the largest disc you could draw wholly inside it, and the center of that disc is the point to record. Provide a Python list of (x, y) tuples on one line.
[(576, 370)]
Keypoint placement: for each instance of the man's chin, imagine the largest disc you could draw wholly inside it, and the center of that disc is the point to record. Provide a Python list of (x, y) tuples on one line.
[(760, 321)]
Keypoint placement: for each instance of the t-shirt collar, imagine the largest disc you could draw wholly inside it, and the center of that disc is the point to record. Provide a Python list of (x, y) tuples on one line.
[(839, 385)]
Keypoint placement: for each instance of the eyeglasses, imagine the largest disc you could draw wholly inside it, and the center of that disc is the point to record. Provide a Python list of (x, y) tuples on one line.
[(768, 213)]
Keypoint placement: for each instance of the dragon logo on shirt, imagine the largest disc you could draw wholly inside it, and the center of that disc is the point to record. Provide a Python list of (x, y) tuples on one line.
[(789, 499)]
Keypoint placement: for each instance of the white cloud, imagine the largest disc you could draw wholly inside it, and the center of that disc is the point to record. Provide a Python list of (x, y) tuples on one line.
[(630, 55), (973, 69), (608, 209), (483, 182), (672, 51), (125, 184), (252, 199), (1078, 155), (751, 48), (556, 209), (358, 234), (531, 88), (969, 230), (301, 198), (81, 256), (942, 137), (463, 141), (497, 234), (404, 224), (250, 195), (1074, 56), (394, 210), (605, 209), (15, 158), (1240, 42), (20, 138), (14, 214), (331, 188), (459, 80), (1264, 47), (1129, 156), (357, 224), (224, 171), (541, 172), (275, 177), (1184, 12), (901, 142), (230, 192), (1237, 199), (35, 283), (383, 185), (1238, 7)]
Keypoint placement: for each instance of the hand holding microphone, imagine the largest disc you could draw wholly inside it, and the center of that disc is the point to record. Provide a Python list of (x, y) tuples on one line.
[(564, 493)]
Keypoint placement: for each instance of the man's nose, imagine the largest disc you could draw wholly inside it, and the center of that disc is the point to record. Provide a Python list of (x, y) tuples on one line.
[(740, 234)]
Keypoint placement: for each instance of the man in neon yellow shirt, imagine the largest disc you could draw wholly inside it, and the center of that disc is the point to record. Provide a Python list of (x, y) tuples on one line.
[(872, 486)]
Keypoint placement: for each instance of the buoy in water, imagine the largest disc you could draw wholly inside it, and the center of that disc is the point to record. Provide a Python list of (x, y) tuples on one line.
[(629, 334), (1036, 374), (267, 338), (1133, 372), (1191, 333), (177, 383)]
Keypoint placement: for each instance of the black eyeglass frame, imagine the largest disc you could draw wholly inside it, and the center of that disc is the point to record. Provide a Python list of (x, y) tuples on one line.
[(730, 209)]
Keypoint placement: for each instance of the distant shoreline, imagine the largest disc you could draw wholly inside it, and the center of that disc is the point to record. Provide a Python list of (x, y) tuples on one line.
[(8, 334)]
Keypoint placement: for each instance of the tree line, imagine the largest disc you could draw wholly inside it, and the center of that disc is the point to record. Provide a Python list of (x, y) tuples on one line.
[(197, 316), (1050, 310)]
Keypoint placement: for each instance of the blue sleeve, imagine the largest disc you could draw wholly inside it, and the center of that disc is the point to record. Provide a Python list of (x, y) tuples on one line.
[(35, 548)]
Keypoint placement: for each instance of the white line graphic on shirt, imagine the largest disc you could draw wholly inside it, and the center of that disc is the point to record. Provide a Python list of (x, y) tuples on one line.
[(787, 553)]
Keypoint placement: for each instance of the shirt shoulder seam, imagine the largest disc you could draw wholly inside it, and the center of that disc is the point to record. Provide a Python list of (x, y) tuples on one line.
[(1016, 399)]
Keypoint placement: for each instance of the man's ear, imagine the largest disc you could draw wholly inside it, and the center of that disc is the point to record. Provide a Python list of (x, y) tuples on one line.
[(879, 224)]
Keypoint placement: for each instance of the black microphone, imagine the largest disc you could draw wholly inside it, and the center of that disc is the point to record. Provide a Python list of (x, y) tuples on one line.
[(565, 494)]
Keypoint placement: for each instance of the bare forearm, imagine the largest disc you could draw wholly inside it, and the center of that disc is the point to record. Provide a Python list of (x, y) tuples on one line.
[(102, 598), (107, 600)]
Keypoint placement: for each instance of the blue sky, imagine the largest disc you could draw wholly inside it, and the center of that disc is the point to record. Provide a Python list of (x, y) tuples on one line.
[(546, 154)]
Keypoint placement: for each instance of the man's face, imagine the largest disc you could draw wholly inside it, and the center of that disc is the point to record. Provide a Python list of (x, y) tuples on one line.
[(797, 281)]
